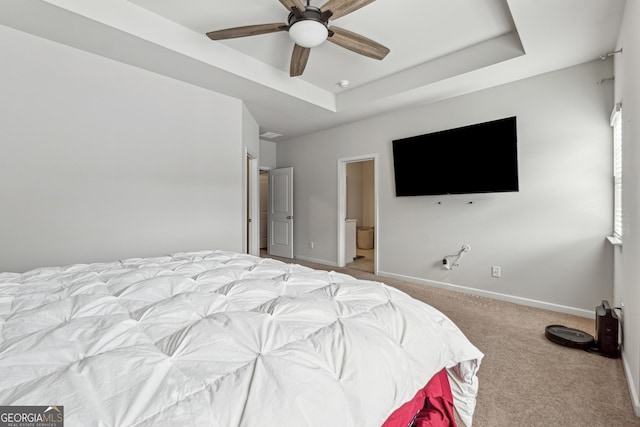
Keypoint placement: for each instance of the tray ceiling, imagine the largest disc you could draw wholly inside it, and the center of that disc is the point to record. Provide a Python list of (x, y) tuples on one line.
[(439, 49)]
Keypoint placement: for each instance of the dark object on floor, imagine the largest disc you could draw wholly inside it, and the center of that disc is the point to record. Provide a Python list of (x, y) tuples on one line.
[(569, 337), (606, 341), (607, 330)]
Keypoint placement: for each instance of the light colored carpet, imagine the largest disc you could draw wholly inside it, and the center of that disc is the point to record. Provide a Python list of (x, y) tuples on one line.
[(526, 380)]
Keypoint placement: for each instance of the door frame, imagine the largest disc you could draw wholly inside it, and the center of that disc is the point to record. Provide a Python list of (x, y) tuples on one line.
[(342, 205), (251, 225)]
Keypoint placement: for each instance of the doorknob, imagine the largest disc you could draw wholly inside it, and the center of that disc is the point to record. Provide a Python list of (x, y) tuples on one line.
[(289, 217)]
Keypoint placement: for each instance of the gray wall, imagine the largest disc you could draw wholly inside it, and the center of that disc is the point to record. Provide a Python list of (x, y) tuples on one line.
[(267, 154), (101, 160), (361, 193), (354, 192), (627, 267), (549, 238)]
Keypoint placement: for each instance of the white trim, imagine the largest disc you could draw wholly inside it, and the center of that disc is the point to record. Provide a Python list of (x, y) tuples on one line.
[(635, 401), (251, 193), (614, 240), (342, 209), (342, 205), (493, 295), (616, 109)]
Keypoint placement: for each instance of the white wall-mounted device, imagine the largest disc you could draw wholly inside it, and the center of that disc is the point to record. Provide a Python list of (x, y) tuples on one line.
[(448, 264)]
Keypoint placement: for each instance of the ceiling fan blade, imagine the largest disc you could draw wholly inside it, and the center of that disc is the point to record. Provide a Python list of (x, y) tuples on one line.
[(289, 4), (299, 60), (250, 30), (343, 7), (357, 43)]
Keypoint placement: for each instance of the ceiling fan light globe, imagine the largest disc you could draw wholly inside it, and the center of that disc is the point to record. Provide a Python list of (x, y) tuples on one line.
[(308, 33)]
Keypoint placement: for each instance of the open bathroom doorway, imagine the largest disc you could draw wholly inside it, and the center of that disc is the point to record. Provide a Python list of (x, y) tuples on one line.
[(358, 213)]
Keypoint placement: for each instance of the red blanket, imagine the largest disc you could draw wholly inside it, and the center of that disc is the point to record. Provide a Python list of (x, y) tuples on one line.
[(431, 407)]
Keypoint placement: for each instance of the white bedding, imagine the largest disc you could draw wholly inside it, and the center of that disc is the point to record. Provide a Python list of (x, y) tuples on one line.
[(221, 339)]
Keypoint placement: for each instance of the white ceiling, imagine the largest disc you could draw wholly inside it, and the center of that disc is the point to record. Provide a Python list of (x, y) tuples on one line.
[(439, 49)]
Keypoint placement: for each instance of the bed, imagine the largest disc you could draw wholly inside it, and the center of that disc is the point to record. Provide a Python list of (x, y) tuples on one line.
[(217, 338)]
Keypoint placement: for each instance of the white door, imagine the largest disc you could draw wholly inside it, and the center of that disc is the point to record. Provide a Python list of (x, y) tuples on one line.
[(281, 212)]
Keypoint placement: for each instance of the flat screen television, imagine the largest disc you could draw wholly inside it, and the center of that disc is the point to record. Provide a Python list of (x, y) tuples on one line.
[(480, 158)]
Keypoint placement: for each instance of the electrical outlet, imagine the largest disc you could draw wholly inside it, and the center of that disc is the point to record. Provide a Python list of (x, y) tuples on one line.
[(495, 271), (311, 244)]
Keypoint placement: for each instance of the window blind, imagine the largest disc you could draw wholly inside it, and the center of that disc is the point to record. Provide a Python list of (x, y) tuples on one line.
[(616, 123)]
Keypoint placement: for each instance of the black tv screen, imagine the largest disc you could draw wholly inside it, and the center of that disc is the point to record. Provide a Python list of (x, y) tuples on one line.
[(480, 158)]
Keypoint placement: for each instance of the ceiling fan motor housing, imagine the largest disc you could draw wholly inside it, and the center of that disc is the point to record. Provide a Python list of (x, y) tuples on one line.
[(308, 28)]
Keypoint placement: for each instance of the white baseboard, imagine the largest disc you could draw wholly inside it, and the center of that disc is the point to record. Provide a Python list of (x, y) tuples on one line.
[(495, 295), (635, 401), (317, 261)]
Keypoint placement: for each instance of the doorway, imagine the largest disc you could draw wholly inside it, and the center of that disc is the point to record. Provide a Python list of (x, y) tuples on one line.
[(264, 210), (358, 213)]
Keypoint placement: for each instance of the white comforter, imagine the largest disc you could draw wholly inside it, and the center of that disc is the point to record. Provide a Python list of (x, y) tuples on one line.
[(221, 339)]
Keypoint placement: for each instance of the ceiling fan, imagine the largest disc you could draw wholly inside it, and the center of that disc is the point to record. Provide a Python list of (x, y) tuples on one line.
[(308, 27)]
